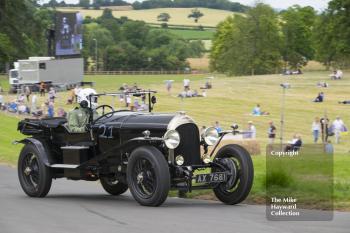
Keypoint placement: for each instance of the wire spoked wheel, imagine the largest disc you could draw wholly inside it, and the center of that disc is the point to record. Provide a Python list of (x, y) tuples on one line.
[(144, 178), (239, 163), (148, 176), (30, 168), (35, 178)]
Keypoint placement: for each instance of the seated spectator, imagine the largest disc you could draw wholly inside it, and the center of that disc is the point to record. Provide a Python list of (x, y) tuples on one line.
[(61, 113), (322, 84), (295, 144), (337, 74), (257, 111), (12, 107), (319, 98), (21, 98), (23, 109), (218, 127)]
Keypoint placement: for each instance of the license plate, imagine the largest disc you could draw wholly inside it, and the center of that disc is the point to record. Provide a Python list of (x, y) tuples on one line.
[(216, 177)]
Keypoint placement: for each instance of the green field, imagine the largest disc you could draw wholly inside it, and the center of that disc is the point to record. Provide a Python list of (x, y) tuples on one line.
[(231, 100), (178, 15)]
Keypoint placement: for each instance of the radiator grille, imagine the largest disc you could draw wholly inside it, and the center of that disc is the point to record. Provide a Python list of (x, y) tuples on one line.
[(189, 146)]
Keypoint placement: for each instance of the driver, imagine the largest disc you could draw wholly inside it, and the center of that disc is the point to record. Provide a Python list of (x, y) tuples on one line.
[(78, 119)]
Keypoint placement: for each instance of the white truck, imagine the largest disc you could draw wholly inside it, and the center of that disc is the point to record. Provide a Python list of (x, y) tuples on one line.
[(64, 73)]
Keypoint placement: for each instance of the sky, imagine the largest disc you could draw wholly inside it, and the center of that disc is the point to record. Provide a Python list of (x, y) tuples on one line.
[(278, 4)]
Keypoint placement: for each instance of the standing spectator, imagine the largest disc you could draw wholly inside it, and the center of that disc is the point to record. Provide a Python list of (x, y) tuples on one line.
[(218, 127), (168, 85), (251, 130), (316, 128), (34, 104), (338, 127), (329, 148), (52, 95), (77, 89), (27, 92), (186, 84), (1, 101), (324, 128), (42, 88), (271, 132), (128, 101)]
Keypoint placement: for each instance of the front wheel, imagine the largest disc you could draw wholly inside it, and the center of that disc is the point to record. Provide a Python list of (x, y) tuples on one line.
[(35, 178), (113, 186), (148, 176), (237, 160)]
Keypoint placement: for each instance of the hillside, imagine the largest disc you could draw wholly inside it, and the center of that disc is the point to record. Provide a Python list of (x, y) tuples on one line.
[(178, 15)]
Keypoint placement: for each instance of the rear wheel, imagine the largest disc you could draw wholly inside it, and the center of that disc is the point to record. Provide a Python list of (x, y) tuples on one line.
[(113, 186), (35, 178), (236, 159), (148, 176)]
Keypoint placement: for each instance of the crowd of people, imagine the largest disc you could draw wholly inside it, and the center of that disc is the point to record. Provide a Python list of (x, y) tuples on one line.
[(27, 103)]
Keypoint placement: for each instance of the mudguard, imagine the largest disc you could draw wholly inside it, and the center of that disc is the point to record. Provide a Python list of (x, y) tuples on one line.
[(44, 153)]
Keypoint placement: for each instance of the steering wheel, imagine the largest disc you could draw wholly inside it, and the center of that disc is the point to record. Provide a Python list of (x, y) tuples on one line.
[(104, 114)]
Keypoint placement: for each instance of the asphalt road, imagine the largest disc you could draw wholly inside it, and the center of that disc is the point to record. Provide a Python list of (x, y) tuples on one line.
[(78, 206)]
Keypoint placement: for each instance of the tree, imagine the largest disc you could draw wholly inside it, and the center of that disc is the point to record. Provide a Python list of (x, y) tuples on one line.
[(297, 46), (163, 17), (332, 34), (84, 4), (247, 44), (196, 14)]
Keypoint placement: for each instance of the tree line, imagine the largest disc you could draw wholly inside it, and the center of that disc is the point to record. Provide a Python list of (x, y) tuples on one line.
[(265, 41), (121, 43)]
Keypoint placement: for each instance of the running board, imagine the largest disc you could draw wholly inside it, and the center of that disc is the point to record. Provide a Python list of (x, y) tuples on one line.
[(69, 166)]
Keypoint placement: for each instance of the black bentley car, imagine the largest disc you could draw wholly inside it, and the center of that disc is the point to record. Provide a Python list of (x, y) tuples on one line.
[(145, 152)]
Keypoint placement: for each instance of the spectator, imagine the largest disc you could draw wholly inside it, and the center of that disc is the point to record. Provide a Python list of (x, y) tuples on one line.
[(71, 96), (187, 84), (27, 92), (257, 111), (34, 103), (128, 100), (52, 95), (319, 98), (23, 109), (1, 101), (21, 98), (12, 107), (251, 130), (316, 128), (77, 89), (271, 132), (339, 74), (295, 144), (50, 109), (338, 127), (42, 88), (61, 113), (168, 85), (329, 147), (218, 127), (324, 128), (204, 93)]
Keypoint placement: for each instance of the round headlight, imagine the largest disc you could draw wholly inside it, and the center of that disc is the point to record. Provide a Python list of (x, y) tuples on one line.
[(172, 139), (211, 136), (179, 160)]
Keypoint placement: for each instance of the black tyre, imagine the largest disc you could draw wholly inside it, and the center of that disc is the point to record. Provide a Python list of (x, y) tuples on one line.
[(35, 178), (113, 186), (148, 176), (235, 191)]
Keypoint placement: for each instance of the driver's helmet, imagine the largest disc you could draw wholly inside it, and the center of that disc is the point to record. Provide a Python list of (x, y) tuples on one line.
[(84, 97)]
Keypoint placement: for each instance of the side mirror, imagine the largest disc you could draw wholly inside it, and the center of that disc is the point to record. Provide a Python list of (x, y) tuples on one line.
[(153, 100)]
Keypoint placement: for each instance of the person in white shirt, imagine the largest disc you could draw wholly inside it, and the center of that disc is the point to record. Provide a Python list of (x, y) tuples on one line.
[(34, 102), (339, 74), (1, 101), (316, 129), (77, 89), (186, 84), (338, 127), (251, 130)]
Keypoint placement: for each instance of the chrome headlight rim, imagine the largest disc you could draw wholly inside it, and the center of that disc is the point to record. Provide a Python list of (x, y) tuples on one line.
[(172, 139), (211, 136)]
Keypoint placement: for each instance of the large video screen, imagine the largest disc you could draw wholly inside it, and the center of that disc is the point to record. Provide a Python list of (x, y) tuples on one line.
[(68, 33)]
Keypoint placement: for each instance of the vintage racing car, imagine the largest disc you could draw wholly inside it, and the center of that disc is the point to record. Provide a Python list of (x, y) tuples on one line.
[(145, 152)]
